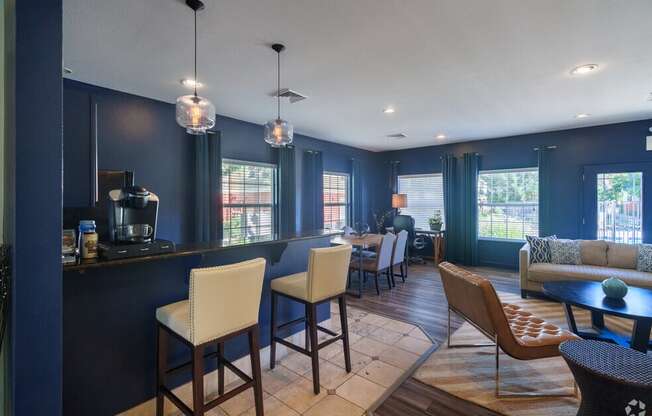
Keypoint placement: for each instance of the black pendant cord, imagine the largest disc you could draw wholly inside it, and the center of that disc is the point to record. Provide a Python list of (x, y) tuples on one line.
[(195, 53), (278, 85)]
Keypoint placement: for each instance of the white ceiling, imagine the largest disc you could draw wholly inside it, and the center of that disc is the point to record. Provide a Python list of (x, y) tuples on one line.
[(472, 69)]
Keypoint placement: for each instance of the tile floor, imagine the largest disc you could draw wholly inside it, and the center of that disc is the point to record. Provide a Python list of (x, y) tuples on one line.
[(382, 350)]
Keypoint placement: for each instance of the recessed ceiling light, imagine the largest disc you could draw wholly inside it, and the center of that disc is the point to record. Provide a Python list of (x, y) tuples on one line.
[(584, 69), (190, 83), (582, 115), (389, 110), (440, 136)]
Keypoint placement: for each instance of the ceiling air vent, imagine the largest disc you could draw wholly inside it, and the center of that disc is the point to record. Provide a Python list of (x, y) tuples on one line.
[(397, 136), (292, 96)]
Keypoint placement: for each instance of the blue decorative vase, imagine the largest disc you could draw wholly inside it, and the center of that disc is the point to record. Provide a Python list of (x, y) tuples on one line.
[(614, 288)]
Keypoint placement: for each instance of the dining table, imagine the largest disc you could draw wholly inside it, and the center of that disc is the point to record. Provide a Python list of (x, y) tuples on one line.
[(359, 243)]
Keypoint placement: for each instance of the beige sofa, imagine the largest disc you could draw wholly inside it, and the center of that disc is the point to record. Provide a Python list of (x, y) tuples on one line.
[(600, 260)]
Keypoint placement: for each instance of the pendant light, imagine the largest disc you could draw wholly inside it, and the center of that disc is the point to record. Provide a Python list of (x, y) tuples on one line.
[(278, 132), (196, 114)]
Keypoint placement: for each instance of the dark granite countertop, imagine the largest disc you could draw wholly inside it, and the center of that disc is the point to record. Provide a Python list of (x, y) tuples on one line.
[(190, 249)]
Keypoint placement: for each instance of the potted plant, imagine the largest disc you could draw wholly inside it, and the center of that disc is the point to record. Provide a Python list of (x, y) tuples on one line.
[(435, 221)]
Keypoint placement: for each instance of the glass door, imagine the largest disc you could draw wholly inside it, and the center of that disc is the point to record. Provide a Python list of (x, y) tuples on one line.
[(614, 202)]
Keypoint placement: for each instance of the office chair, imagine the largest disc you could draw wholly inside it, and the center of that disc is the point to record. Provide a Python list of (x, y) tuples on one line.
[(414, 242)]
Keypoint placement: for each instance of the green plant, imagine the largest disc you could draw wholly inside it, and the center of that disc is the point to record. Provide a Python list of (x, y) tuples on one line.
[(436, 221)]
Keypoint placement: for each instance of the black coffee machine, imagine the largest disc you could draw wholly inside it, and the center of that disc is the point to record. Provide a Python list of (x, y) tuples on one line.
[(133, 212)]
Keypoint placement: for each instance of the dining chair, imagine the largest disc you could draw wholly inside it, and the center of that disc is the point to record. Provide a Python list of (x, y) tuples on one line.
[(398, 256), (379, 264)]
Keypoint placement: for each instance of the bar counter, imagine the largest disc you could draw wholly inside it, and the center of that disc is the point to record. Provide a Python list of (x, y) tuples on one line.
[(109, 315)]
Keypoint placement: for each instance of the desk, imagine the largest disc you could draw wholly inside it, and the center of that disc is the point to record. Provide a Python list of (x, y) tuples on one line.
[(438, 242), (359, 243)]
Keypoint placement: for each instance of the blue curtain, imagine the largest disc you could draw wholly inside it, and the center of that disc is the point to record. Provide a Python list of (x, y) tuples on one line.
[(470, 210), (393, 176), (449, 176), (355, 212), (313, 194), (545, 193), (287, 200), (208, 187)]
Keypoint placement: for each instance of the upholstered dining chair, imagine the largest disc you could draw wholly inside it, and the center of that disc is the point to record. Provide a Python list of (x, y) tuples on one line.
[(380, 263), (398, 256), (516, 332)]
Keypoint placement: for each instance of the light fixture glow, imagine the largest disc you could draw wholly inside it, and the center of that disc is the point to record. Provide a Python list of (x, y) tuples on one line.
[(440, 136), (582, 115), (194, 113), (278, 132), (389, 110), (584, 69), (191, 83)]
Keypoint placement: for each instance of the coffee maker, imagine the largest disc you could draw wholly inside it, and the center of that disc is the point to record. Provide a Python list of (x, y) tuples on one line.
[(132, 216), (133, 212)]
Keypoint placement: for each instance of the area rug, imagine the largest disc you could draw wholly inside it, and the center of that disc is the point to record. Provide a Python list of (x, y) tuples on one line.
[(468, 373)]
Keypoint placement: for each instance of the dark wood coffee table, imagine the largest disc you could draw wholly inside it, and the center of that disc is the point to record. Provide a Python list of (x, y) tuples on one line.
[(637, 306)]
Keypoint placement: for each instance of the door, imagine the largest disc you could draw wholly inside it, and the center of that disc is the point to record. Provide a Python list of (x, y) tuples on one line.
[(615, 198)]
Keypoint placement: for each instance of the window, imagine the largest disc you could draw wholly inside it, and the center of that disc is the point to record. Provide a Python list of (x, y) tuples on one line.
[(620, 209), (508, 204), (249, 201), (336, 200), (425, 196)]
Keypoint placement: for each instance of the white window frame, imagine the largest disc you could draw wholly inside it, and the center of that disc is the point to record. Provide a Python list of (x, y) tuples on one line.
[(347, 204), (478, 204), (273, 205)]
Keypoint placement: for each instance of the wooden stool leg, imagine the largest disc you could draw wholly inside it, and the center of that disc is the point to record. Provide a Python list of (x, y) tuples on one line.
[(198, 380), (161, 361), (220, 368), (344, 323), (272, 345), (403, 274), (307, 311), (314, 344), (389, 278), (254, 353)]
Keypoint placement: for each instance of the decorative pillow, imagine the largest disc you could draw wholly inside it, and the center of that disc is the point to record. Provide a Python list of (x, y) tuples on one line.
[(644, 259), (565, 252), (539, 249)]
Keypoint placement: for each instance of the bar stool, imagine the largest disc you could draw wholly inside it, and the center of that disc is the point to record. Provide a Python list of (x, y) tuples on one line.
[(325, 280), (223, 303)]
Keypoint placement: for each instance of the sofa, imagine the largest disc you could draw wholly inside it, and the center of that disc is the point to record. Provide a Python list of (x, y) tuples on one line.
[(600, 260)]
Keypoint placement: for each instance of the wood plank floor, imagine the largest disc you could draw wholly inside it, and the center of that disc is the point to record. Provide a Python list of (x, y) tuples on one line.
[(421, 300)]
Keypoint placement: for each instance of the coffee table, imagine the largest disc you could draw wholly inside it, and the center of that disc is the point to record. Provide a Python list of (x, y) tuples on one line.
[(637, 306)]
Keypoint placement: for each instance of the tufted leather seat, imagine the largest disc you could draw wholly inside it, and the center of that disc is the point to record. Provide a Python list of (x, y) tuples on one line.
[(531, 331)]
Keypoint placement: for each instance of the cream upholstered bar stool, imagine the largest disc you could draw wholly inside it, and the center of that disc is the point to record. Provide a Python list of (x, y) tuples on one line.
[(325, 280), (398, 256), (223, 303)]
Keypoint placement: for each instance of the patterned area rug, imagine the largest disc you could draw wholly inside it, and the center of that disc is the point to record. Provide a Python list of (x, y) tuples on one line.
[(468, 373)]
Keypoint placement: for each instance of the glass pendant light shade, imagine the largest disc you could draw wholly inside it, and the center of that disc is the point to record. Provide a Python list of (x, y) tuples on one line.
[(195, 114), (279, 132)]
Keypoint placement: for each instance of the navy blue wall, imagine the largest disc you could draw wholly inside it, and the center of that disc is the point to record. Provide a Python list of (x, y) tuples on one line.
[(33, 199), (576, 148), (141, 134)]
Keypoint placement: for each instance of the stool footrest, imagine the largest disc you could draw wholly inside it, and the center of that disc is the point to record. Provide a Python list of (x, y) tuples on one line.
[(177, 402), (292, 346), (327, 331), (293, 322)]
